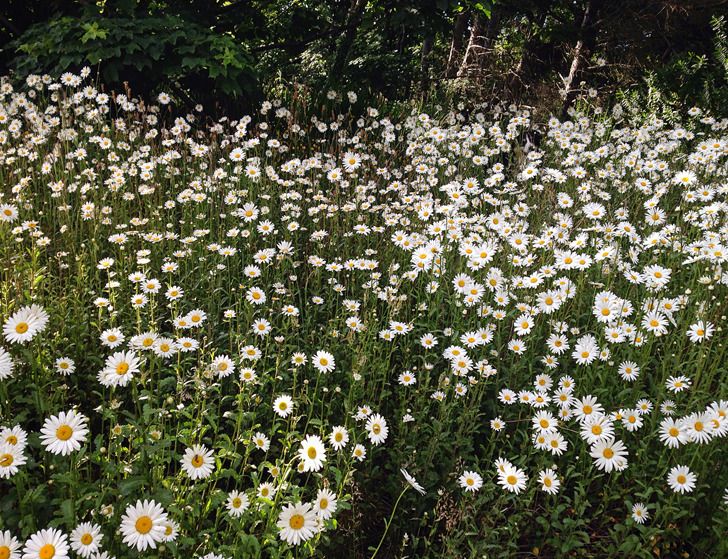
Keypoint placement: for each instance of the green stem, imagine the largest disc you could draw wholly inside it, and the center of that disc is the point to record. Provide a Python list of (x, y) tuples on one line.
[(388, 523)]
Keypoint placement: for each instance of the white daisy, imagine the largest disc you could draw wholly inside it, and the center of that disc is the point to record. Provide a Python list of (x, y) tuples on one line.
[(297, 523), (64, 433), (237, 503), (325, 504), (86, 539), (46, 544), (312, 453), (198, 462), (143, 525)]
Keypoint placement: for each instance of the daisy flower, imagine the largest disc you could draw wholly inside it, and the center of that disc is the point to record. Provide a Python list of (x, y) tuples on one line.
[(198, 462), (120, 368), (629, 371), (359, 453), (65, 366), (13, 436), (46, 544), (325, 504), (323, 361), (223, 366), (7, 365), (261, 441), (678, 384), (597, 428), (64, 433), (609, 455), (297, 523), (549, 481), (700, 331), (681, 479), (86, 538), (143, 525), (639, 513), (699, 427), (237, 503), (25, 324), (312, 453), (9, 546), (377, 429), (266, 490), (283, 405), (470, 481), (410, 479), (11, 457), (339, 437), (513, 479)]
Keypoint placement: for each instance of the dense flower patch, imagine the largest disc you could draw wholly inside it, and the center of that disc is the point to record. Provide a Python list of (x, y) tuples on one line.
[(222, 339)]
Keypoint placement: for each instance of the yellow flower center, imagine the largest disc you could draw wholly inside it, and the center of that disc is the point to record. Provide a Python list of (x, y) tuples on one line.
[(698, 426), (47, 551), (6, 460), (122, 368), (547, 482), (197, 461), (12, 439), (376, 429), (86, 539), (4, 552), (63, 433), (596, 430), (544, 423), (237, 501), (608, 453), (681, 479), (512, 480), (143, 525), (311, 452), (587, 410), (296, 521), (21, 328)]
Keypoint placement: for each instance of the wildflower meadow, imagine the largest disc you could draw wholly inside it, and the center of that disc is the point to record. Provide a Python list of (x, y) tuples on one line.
[(332, 329)]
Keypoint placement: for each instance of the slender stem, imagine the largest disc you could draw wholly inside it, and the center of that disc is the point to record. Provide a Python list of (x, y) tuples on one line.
[(388, 523)]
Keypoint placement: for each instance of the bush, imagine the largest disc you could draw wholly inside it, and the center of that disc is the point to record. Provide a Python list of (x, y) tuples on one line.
[(149, 51)]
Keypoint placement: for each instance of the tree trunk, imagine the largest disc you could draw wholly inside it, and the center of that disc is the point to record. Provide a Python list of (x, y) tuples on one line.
[(456, 46), (476, 36), (482, 38), (583, 48), (425, 63), (353, 20), (520, 74)]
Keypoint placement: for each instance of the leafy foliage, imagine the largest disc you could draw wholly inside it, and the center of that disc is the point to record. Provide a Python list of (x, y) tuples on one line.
[(152, 51)]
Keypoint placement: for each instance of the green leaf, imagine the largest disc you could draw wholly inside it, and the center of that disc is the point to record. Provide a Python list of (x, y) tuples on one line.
[(93, 31)]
